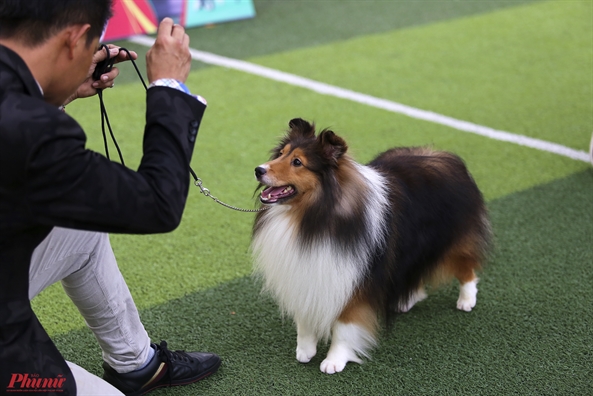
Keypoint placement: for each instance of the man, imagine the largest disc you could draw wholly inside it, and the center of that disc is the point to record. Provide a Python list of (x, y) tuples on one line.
[(57, 199)]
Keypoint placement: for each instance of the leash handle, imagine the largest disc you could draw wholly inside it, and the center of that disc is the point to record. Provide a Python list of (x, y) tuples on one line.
[(105, 65)]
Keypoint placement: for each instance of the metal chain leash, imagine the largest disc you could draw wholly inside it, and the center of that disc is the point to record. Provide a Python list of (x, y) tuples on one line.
[(198, 182)]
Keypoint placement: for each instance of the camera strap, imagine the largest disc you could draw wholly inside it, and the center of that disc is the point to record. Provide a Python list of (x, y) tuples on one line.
[(105, 66)]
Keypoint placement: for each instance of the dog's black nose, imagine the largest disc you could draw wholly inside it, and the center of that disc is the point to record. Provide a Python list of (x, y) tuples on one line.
[(260, 171)]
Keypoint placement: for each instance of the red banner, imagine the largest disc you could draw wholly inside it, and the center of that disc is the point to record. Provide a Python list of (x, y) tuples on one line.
[(130, 17)]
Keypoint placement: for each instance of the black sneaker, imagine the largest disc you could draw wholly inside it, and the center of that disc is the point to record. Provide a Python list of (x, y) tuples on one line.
[(165, 369)]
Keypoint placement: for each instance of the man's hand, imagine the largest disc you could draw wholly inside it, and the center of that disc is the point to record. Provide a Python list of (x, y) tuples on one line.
[(169, 57), (89, 86)]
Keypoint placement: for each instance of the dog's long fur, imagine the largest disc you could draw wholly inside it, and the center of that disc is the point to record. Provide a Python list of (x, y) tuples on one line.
[(347, 244)]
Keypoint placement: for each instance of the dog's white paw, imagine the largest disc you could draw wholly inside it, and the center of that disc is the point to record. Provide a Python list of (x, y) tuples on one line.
[(467, 296), (306, 344), (466, 304), (330, 366), (305, 353), (339, 354)]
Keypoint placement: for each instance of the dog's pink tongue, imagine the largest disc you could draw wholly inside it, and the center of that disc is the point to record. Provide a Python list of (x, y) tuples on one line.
[(272, 191)]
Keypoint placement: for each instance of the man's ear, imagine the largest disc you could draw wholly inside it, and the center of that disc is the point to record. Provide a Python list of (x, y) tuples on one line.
[(75, 37), (332, 146)]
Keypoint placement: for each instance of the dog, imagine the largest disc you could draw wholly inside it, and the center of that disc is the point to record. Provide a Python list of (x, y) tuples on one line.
[(342, 246)]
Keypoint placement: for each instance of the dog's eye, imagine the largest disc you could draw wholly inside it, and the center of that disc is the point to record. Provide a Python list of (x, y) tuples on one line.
[(296, 162)]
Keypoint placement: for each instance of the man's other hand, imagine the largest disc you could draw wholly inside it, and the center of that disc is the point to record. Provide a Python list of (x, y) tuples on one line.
[(169, 57)]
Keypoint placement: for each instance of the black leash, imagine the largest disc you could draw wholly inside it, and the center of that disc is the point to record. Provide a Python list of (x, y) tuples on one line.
[(105, 66)]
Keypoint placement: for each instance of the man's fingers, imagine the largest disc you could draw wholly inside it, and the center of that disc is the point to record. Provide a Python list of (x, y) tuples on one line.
[(111, 75), (123, 56), (100, 55), (185, 41), (107, 79), (178, 32), (114, 52), (165, 28), (169, 56), (169, 29)]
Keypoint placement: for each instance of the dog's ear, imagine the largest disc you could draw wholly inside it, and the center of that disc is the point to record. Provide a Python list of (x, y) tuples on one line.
[(332, 146), (300, 127)]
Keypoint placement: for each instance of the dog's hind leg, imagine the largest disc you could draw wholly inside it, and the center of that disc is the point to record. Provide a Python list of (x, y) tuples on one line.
[(306, 343), (462, 262), (463, 268), (467, 295), (353, 335)]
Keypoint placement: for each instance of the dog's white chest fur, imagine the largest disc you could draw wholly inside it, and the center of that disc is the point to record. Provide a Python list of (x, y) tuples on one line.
[(313, 284)]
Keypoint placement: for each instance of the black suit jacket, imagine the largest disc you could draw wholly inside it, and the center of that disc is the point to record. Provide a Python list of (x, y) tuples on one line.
[(48, 178)]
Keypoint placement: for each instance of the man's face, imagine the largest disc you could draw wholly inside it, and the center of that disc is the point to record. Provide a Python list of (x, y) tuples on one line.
[(81, 63), (73, 73)]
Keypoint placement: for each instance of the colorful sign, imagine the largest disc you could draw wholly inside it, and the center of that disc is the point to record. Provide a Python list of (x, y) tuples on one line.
[(204, 12), (131, 17)]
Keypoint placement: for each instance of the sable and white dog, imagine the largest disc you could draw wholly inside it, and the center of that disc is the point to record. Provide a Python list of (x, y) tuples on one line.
[(342, 245)]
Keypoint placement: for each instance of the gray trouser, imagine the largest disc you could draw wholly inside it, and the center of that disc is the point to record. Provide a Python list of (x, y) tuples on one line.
[(85, 264)]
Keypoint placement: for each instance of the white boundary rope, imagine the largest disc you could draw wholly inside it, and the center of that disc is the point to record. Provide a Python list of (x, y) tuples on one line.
[(331, 90)]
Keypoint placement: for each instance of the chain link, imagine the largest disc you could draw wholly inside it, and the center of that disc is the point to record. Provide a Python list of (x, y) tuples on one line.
[(207, 193)]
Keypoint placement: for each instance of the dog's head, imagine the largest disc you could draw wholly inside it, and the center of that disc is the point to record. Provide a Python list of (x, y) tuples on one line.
[(299, 163)]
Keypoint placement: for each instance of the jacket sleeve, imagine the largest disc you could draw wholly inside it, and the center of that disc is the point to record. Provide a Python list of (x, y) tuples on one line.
[(70, 186)]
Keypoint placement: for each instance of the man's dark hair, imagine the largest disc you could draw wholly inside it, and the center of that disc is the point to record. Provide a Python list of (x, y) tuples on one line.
[(34, 21)]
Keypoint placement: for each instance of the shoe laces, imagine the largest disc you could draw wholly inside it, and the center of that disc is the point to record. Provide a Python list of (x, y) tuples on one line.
[(170, 356)]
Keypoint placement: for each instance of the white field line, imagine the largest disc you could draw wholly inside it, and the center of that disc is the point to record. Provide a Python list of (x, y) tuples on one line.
[(326, 89)]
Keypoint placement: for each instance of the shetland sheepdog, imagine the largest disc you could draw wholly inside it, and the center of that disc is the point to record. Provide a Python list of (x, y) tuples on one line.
[(343, 247)]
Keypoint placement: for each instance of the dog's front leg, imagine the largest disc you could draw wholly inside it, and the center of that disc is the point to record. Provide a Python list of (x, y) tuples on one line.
[(306, 343), (353, 335), (345, 336)]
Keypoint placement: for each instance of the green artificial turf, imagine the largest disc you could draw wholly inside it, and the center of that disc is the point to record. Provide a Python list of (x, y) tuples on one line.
[(527, 69), (533, 62)]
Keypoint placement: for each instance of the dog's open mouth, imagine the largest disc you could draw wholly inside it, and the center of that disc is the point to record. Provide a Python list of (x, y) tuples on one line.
[(274, 194)]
